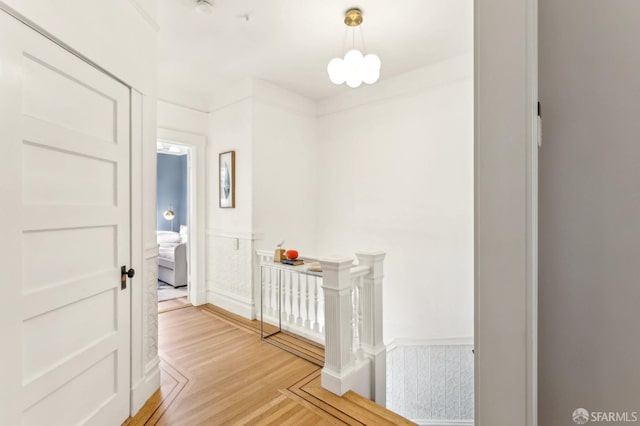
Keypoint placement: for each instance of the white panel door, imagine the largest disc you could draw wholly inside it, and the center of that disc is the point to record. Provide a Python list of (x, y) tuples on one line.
[(64, 129)]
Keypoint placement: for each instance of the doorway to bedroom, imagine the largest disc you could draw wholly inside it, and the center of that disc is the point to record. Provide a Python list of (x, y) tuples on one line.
[(173, 224)]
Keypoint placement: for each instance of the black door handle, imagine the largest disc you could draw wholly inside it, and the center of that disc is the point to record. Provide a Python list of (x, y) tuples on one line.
[(124, 274)]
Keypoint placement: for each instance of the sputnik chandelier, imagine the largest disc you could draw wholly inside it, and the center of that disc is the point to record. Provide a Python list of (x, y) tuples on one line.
[(355, 68)]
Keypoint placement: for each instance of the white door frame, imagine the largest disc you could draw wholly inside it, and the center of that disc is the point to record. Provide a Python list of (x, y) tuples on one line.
[(506, 212), (197, 221)]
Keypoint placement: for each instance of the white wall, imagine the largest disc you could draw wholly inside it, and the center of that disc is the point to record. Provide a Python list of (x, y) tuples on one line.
[(230, 234), (285, 164), (397, 174), (273, 134), (589, 208), (230, 129), (177, 117)]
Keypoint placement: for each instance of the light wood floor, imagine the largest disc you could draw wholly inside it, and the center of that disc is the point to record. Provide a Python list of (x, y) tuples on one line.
[(171, 304), (216, 371)]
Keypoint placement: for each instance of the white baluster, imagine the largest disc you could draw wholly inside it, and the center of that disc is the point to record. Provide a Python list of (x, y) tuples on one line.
[(288, 300), (291, 317), (316, 324), (299, 289), (266, 285), (307, 322), (273, 296), (263, 300), (283, 289)]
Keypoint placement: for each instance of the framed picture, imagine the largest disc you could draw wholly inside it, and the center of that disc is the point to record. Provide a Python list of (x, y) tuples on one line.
[(227, 164)]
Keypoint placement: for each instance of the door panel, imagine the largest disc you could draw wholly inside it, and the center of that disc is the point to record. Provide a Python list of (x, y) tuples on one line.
[(46, 77), (50, 177), (86, 405), (67, 135)]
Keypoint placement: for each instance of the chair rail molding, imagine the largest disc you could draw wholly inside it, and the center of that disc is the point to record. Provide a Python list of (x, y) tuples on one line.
[(243, 235)]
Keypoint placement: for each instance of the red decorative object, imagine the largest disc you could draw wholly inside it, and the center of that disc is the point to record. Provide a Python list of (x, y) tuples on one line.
[(292, 254)]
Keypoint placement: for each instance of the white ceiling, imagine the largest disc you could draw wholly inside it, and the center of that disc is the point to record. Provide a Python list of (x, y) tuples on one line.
[(290, 42)]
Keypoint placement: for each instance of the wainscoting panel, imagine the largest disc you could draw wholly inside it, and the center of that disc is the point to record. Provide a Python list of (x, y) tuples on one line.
[(150, 303), (431, 383), (230, 272)]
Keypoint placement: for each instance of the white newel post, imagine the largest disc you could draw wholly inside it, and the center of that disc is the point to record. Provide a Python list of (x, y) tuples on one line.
[(338, 311), (372, 343)]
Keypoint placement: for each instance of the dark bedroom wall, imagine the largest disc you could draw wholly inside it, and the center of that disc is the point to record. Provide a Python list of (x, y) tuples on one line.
[(172, 189)]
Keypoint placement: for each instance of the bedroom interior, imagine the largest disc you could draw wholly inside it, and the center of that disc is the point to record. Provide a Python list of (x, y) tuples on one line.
[(172, 221)]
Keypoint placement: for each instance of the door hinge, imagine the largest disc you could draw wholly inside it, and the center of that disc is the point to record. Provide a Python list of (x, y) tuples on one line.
[(539, 133)]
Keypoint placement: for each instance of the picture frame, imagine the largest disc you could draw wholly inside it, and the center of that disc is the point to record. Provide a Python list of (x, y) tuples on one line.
[(227, 179)]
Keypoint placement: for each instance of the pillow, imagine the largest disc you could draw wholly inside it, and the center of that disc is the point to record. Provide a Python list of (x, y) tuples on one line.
[(168, 237), (171, 246)]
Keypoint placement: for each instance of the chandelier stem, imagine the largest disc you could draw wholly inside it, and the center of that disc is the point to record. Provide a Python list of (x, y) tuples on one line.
[(353, 38), (364, 46)]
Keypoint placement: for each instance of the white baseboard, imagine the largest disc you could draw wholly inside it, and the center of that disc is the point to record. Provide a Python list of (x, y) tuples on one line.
[(232, 304), (142, 391), (201, 298)]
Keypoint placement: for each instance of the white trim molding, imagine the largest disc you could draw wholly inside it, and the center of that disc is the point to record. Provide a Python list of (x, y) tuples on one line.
[(197, 176), (145, 376), (151, 251), (146, 386), (505, 198), (404, 342)]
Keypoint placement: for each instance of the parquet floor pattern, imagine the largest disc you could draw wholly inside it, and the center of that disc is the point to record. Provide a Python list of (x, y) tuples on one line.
[(215, 370)]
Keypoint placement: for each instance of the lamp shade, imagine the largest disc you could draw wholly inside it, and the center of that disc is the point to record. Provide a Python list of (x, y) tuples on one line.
[(169, 214), (354, 69), (370, 68), (336, 70)]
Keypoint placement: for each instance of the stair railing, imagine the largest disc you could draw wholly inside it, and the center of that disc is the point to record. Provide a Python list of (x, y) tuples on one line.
[(341, 309)]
